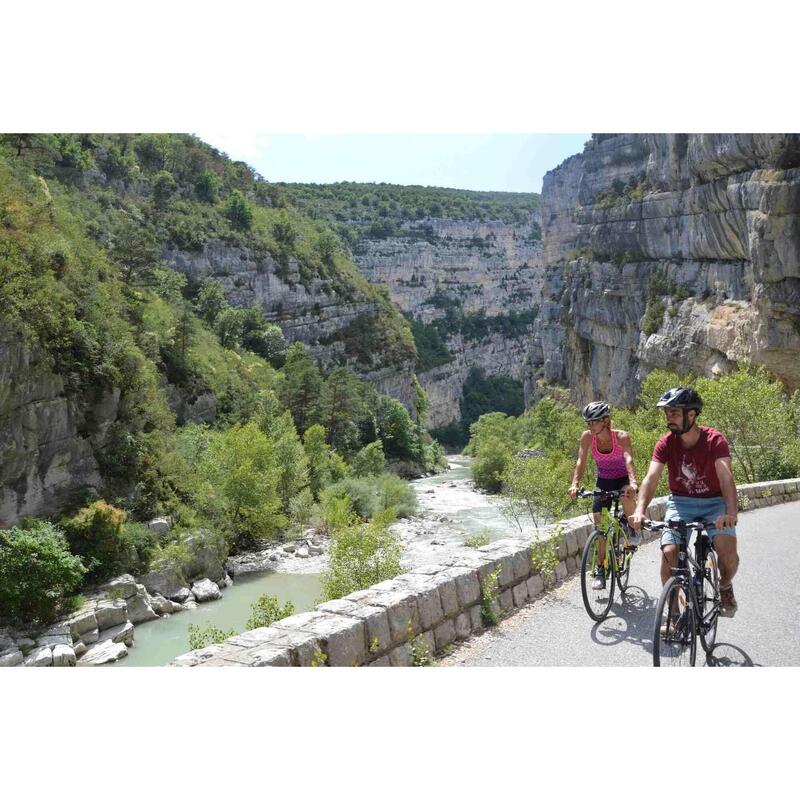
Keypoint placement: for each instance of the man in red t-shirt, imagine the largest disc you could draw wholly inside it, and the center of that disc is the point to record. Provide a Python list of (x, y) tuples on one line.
[(701, 486)]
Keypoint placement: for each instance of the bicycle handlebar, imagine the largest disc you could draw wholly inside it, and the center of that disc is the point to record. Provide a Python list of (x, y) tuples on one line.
[(612, 493), (678, 525)]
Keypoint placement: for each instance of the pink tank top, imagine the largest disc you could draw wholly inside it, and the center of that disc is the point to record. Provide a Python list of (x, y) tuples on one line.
[(610, 465)]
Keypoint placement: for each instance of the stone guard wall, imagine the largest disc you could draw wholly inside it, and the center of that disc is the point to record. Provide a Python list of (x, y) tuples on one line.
[(439, 603)]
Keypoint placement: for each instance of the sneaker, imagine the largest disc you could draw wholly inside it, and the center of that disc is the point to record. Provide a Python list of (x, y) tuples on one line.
[(599, 581), (728, 604)]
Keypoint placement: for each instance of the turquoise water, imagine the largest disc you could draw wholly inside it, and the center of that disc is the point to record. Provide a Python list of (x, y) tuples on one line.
[(156, 643)]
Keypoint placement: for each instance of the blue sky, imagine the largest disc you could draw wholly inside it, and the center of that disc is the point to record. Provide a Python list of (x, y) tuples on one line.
[(500, 162)]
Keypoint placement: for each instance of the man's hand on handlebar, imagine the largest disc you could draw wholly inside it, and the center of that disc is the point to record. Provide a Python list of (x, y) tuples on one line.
[(636, 520)]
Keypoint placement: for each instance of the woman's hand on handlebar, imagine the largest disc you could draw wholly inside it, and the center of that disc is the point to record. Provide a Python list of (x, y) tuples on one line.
[(573, 491)]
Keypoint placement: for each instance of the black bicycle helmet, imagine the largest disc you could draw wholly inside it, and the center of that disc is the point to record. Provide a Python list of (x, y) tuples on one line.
[(595, 411), (681, 397)]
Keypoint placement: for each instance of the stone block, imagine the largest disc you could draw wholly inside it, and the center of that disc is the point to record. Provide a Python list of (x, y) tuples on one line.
[(110, 613), (341, 606), (475, 619), (521, 564), (571, 540), (520, 594), (468, 587), (562, 549), (560, 571), (383, 661), (430, 609), (379, 635), (39, 657), (535, 586), (583, 537), (463, 626), (65, 656), (119, 633), (197, 657), (427, 569), (401, 656), (401, 609), (444, 634), (506, 601), (571, 564), (343, 639), (272, 657)]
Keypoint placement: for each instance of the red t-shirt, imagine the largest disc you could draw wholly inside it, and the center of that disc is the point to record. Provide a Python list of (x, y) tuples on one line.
[(692, 472)]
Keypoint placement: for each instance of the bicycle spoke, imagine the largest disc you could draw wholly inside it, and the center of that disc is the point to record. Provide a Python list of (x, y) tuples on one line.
[(674, 635)]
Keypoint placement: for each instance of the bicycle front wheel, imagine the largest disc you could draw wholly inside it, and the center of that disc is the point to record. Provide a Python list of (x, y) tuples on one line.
[(597, 601), (675, 631), (623, 557), (709, 601)]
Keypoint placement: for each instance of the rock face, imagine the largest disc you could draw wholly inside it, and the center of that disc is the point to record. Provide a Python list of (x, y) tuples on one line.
[(669, 250), (489, 268)]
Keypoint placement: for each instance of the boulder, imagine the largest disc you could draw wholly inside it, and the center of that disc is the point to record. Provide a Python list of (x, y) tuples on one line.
[(167, 581), (90, 637), (40, 657), (160, 604), (289, 547), (189, 604), (103, 653), (25, 644), (226, 582), (139, 608), (82, 622), (55, 634), (204, 590), (181, 596), (64, 656), (175, 607), (79, 648), (302, 552), (206, 558), (11, 658), (122, 586), (313, 550), (110, 613), (119, 633), (159, 525)]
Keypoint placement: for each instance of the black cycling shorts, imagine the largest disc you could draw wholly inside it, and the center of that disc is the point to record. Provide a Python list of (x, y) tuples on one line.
[(607, 485)]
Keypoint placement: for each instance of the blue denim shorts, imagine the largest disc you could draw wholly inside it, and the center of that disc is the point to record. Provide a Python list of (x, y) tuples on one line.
[(691, 509)]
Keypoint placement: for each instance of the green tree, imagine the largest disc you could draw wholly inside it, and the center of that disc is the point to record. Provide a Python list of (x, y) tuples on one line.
[(37, 574), (395, 428), (238, 211), (210, 300), (341, 408), (324, 466), (534, 489), (368, 461), (362, 555), (164, 187), (302, 387), (229, 326), (291, 459), (239, 486), (207, 187), (135, 250)]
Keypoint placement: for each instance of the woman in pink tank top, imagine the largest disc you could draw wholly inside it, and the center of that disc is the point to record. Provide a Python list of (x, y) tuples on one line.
[(613, 453)]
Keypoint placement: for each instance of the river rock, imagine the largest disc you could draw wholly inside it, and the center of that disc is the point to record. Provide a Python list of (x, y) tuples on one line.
[(181, 596), (314, 551), (25, 644), (79, 648), (160, 604), (189, 604), (167, 581), (227, 582), (205, 557), (302, 552), (123, 586), (139, 608), (90, 637), (159, 525), (11, 658), (175, 607), (119, 633), (103, 653), (64, 656), (81, 623), (289, 547), (55, 634), (110, 613), (40, 657), (205, 589)]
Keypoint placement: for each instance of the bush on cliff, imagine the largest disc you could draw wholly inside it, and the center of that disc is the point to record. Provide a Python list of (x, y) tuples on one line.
[(37, 574), (96, 533)]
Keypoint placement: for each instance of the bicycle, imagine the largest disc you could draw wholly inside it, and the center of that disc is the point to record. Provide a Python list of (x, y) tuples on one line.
[(616, 559), (690, 600)]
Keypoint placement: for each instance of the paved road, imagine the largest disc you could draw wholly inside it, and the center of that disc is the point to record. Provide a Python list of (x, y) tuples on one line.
[(556, 631)]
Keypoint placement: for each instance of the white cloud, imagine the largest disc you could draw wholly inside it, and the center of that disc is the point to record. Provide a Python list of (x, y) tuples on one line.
[(240, 145)]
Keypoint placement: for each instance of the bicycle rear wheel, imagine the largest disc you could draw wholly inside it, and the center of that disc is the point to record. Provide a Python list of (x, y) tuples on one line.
[(675, 631), (597, 602), (709, 602)]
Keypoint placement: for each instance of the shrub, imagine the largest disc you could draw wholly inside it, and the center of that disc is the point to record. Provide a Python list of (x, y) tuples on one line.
[(373, 495), (362, 555), (202, 637), (96, 534), (369, 461), (477, 539), (267, 610), (37, 574), (238, 211)]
